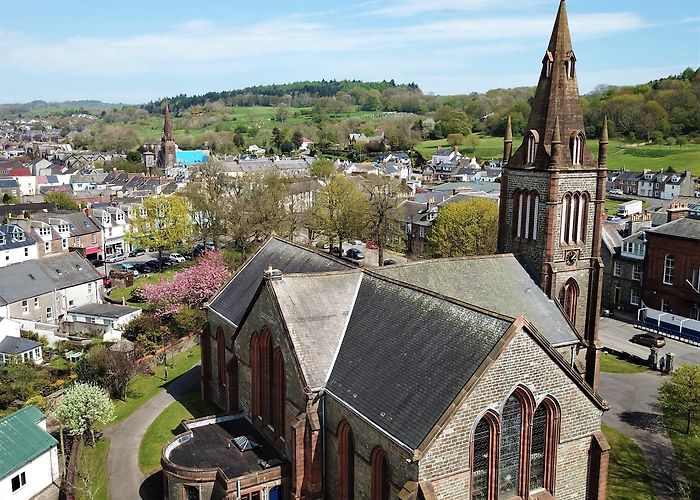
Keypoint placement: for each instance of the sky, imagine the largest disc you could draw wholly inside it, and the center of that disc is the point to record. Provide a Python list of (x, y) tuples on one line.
[(133, 51)]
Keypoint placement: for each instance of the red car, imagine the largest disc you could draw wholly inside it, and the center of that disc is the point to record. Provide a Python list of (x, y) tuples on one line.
[(106, 280), (372, 245)]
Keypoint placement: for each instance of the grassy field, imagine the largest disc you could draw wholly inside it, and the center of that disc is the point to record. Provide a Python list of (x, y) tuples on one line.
[(150, 279), (488, 148), (612, 364), (686, 446), (628, 474), (166, 426), (93, 480), (144, 387)]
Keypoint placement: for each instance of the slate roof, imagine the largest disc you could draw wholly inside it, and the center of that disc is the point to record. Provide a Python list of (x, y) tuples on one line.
[(10, 243), (396, 337), (22, 440), (103, 310), (233, 300), (9, 184), (682, 228), (316, 309), (497, 283), (17, 345)]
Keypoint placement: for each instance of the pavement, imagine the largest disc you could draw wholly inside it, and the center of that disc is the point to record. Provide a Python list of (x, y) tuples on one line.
[(126, 481), (615, 335), (634, 411)]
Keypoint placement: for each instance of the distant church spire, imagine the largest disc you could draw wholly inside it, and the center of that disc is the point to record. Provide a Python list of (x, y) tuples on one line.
[(167, 126), (557, 95), (508, 141)]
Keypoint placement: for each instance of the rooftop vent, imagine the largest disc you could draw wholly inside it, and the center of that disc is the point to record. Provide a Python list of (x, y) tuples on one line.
[(244, 443), (272, 274)]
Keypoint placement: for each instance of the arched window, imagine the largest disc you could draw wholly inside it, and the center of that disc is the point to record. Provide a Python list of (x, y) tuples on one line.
[(266, 394), (568, 298), (509, 456), (570, 64), (279, 392), (255, 375), (221, 355), (346, 462), (576, 145), (669, 269), (547, 64), (381, 475), (526, 206), (484, 457), (207, 358), (531, 141), (543, 449), (574, 217)]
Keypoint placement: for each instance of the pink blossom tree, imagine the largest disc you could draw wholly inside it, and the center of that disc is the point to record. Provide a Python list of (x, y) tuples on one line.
[(191, 287)]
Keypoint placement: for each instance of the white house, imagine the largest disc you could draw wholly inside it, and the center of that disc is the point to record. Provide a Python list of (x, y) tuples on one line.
[(13, 346), (113, 222), (16, 245), (108, 319), (28, 455)]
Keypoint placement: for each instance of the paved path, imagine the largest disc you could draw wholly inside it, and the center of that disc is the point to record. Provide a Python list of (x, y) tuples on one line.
[(125, 477), (634, 411)]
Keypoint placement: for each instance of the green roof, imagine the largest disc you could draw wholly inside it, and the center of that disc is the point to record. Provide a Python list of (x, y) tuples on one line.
[(22, 440)]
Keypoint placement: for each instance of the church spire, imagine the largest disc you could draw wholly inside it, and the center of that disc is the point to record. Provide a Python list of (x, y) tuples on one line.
[(556, 96), (508, 141), (167, 126)]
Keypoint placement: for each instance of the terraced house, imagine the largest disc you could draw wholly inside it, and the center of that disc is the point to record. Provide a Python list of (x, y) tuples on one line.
[(464, 378)]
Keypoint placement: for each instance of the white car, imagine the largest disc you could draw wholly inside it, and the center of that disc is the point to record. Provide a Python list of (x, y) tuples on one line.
[(176, 257), (616, 191)]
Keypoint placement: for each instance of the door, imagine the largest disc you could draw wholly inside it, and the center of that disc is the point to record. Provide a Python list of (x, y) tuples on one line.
[(275, 493)]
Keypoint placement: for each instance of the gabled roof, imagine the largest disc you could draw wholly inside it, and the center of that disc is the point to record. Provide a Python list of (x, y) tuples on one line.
[(22, 440), (682, 228), (17, 345)]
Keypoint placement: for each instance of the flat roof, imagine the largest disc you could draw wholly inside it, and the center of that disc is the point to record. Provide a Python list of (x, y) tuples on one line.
[(212, 447), (103, 310)]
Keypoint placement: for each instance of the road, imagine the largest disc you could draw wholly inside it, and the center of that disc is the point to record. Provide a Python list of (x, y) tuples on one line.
[(126, 481), (371, 257), (615, 335)]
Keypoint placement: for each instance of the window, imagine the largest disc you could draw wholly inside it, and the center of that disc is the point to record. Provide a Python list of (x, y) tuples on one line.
[(526, 208), (26, 251), (279, 389), (669, 269), (70, 303), (617, 268), (47, 246), (531, 142), (665, 306), (571, 67), (574, 217), (64, 243), (49, 314), (255, 374), (18, 481), (543, 447), (346, 462), (94, 238), (25, 307), (36, 302), (547, 64), (568, 298), (637, 272), (191, 492), (484, 457), (634, 297), (221, 355), (89, 287), (381, 479), (76, 242), (576, 148), (511, 436), (695, 280)]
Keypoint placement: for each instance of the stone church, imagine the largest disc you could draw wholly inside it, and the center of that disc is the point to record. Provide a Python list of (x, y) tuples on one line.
[(470, 378)]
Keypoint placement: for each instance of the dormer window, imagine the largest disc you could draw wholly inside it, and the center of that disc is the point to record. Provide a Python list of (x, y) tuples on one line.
[(59, 272), (531, 141), (576, 145), (570, 64), (548, 64)]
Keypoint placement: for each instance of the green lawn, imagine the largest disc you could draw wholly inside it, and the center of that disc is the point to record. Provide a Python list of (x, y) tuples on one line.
[(612, 364), (488, 148), (166, 426), (144, 387), (92, 466), (628, 474), (150, 279), (687, 447)]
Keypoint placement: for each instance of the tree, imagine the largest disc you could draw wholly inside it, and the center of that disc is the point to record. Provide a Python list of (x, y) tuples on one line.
[(62, 200), (166, 225), (322, 168), (121, 368), (681, 393), (208, 196), (83, 407), (455, 140), (473, 142), (384, 216), (454, 122), (118, 138), (465, 228), (340, 209)]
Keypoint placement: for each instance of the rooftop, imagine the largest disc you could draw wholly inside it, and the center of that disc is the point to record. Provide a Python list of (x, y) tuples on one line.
[(17, 345), (103, 310), (22, 439), (682, 228)]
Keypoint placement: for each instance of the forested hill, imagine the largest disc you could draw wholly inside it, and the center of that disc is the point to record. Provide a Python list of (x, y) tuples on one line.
[(297, 94)]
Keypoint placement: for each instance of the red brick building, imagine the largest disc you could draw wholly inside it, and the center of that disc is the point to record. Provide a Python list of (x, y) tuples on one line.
[(672, 268)]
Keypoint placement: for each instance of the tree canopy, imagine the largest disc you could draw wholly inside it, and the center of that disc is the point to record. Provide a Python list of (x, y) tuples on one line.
[(165, 226), (83, 407), (465, 228), (681, 393)]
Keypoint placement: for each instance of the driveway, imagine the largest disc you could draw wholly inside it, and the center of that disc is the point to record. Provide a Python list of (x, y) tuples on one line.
[(634, 411), (125, 477)]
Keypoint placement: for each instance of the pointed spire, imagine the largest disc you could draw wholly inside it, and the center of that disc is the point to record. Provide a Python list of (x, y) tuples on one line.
[(556, 134), (556, 144), (561, 36), (604, 132), (167, 126), (509, 130), (603, 146), (508, 142)]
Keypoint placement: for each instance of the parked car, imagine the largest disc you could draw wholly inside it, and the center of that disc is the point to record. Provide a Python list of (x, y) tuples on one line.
[(389, 262), (143, 268), (177, 257), (167, 262), (616, 191), (129, 267), (154, 264), (649, 340), (336, 250), (135, 252), (106, 281), (115, 257), (613, 218), (355, 253), (372, 245)]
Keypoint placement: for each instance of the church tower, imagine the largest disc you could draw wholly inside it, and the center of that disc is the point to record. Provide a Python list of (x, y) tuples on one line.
[(553, 192), (168, 148)]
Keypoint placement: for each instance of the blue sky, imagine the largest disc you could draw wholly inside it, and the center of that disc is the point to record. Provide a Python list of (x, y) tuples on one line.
[(134, 51)]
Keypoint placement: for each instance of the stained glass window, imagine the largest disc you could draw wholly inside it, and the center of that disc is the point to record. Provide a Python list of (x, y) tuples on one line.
[(509, 470), (480, 473), (537, 450)]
